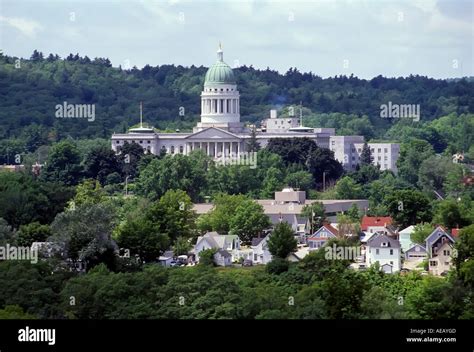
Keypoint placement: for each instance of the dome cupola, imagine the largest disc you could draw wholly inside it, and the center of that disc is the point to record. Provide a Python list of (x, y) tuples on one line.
[(220, 72)]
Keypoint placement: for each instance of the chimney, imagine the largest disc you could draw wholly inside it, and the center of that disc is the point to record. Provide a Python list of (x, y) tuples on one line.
[(273, 114)]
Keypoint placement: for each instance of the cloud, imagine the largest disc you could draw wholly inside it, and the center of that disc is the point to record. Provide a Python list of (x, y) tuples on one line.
[(27, 27)]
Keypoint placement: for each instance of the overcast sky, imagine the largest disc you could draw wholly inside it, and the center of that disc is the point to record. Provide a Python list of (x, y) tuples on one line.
[(363, 37)]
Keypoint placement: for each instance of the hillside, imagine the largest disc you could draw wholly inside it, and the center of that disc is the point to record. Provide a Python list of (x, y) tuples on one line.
[(30, 90)]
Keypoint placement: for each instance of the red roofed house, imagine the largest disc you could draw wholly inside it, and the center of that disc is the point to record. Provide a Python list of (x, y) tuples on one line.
[(375, 223), (320, 237)]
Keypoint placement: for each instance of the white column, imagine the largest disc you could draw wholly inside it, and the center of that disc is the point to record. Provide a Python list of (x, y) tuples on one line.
[(215, 149), (200, 145), (238, 148)]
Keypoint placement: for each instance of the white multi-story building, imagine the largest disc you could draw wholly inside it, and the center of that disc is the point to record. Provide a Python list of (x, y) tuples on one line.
[(384, 250), (221, 133), (348, 149)]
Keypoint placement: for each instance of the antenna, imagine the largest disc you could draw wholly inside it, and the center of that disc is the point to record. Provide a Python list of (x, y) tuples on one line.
[(141, 114)]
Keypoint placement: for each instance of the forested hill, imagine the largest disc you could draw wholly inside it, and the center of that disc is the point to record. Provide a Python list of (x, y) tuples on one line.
[(31, 89)]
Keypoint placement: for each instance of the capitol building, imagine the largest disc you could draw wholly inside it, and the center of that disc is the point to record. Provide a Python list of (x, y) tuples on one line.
[(220, 132)]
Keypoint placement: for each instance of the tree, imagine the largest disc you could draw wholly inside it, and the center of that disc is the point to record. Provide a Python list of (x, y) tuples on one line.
[(37, 56), (252, 143), (248, 221), (321, 163), (182, 246), (14, 312), (449, 214), (316, 214), (206, 257), (292, 150), (301, 180), (366, 174), (89, 192), (186, 173), (282, 241), (408, 207), (220, 217), (377, 303), (34, 232), (7, 234), (346, 188), (272, 182), (100, 162), (464, 257), (421, 232), (366, 156), (63, 164), (277, 266), (174, 214), (433, 173), (347, 226), (412, 154), (130, 155), (354, 213), (85, 234)]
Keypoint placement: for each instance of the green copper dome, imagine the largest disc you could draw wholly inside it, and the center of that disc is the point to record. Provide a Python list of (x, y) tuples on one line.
[(220, 72)]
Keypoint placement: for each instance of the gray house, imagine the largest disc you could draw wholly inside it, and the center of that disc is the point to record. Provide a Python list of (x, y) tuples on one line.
[(416, 252), (223, 258)]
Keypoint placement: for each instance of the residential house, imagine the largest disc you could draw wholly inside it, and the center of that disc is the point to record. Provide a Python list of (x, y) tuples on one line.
[(230, 243), (436, 239), (300, 253), (166, 258), (439, 246), (261, 254), (320, 237), (404, 236), (441, 263), (385, 250), (223, 258), (417, 252), (374, 224)]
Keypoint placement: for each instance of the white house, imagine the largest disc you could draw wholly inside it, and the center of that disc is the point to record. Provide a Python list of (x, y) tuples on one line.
[(166, 258), (230, 243), (384, 250), (405, 239), (261, 254)]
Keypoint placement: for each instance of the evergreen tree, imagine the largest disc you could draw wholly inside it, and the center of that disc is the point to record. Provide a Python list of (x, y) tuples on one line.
[(366, 156)]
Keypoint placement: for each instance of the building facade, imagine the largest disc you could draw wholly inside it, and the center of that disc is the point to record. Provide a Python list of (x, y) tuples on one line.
[(220, 133)]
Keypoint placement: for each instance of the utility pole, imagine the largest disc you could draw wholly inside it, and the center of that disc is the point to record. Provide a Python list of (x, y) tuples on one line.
[(126, 184), (324, 181)]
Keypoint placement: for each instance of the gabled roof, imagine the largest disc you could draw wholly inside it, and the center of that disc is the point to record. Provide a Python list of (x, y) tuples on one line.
[(327, 228), (412, 248), (256, 241), (436, 234), (375, 221), (408, 230), (379, 238), (213, 133)]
